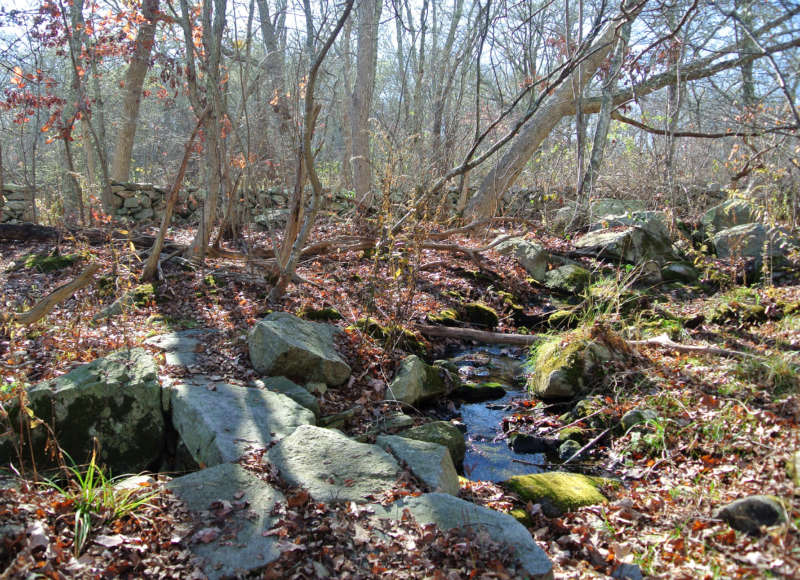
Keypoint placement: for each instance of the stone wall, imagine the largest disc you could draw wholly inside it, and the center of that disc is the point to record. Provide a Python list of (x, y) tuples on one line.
[(16, 204)]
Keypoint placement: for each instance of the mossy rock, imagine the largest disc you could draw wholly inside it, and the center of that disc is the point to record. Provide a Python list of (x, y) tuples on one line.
[(521, 516), (559, 492), (320, 314), (510, 300), (44, 263), (475, 393), (570, 278), (443, 433), (480, 314), (406, 339), (573, 433), (562, 319), (143, 294), (447, 317)]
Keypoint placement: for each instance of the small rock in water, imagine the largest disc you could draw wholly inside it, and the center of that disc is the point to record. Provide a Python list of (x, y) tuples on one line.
[(750, 513), (522, 443)]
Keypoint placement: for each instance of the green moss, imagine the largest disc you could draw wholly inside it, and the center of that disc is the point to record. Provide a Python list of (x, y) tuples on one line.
[(510, 300), (44, 263), (572, 433), (561, 357), (447, 317), (106, 286), (521, 516), (406, 339), (562, 318), (557, 491), (480, 314), (143, 295), (320, 314)]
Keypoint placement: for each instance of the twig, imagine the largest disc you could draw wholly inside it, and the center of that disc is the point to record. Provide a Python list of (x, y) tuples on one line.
[(589, 445), (664, 341), (479, 335)]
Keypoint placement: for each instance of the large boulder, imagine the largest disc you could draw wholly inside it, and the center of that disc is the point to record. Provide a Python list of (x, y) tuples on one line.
[(114, 400), (233, 544), (533, 257), (333, 467), (181, 348), (416, 382), (558, 492), (653, 222), (567, 364), (448, 512), (751, 241), (634, 244), (218, 422), (569, 278), (732, 212), (430, 462), (300, 395), (443, 433), (284, 345), (597, 210)]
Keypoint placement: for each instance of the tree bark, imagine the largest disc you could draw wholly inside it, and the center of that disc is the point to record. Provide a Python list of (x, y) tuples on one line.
[(369, 12), (134, 81)]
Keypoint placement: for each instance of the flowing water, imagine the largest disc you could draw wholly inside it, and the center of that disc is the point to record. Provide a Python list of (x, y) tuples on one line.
[(488, 457)]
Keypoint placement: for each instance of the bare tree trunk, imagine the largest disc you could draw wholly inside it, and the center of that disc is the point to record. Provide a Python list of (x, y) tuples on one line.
[(73, 195), (560, 103), (134, 80), (369, 12)]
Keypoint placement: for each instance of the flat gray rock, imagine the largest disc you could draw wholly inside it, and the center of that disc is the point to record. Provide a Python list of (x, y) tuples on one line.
[(284, 345), (231, 545), (218, 422), (333, 467), (449, 512), (295, 392), (430, 462), (181, 347)]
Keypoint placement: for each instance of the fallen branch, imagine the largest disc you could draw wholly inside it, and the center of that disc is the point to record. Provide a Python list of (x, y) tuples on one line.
[(58, 295), (479, 335), (664, 341)]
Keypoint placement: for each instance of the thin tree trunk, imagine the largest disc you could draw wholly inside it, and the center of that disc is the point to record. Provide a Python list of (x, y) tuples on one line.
[(134, 81)]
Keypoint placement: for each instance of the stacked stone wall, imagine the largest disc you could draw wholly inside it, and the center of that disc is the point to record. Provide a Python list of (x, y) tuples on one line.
[(16, 204)]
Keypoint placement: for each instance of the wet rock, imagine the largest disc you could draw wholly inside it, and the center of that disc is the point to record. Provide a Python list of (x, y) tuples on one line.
[(476, 393), (443, 433), (235, 545), (524, 443), (416, 382), (284, 345), (568, 448), (333, 467), (430, 462), (750, 513), (449, 512), (115, 399), (558, 492)]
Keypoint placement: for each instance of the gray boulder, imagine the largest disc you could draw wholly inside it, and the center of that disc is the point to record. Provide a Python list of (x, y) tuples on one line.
[(751, 241), (533, 257), (116, 399), (653, 222), (447, 512), (679, 272), (632, 244), (430, 462), (218, 422), (597, 210), (182, 347), (284, 345), (237, 506), (333, 467), (443, 433), (569, 278), (750, 513), (732, 212), (416, 382), (295, 392)]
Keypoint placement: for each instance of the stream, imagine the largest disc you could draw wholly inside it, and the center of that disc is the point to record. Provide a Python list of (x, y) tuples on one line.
[(488, 456)]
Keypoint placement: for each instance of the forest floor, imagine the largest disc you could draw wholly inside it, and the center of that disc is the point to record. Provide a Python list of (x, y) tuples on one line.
[(726, 427)]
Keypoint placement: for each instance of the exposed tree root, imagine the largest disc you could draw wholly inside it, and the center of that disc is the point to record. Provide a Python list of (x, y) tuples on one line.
[(58, 295), (664, 341)]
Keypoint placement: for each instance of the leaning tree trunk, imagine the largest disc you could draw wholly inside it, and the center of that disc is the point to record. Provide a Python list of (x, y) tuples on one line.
[(558, 105), (134, 80)]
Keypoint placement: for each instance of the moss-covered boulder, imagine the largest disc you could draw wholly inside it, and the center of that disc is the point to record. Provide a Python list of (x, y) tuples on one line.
[(480, 314), (416, 382), (558, 492), (115, 400), (476, 393), (570, 279), (48, 263), (443, 433), (446, 316), (568, 364)]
